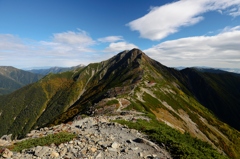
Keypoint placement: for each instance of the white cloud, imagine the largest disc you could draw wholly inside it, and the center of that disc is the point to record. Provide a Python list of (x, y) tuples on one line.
[(70, 42), (221, 50), (10, 42), (64, 48), (235, 13), (111, 39), (119, 46), (168, 19), (80, 38)]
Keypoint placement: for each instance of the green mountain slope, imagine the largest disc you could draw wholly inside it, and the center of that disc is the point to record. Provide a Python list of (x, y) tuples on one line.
[(12, 79), (217, 90), (128, 81)]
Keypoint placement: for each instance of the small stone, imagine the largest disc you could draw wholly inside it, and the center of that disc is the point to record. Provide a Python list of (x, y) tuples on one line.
[(154, 155), (111, 137), (99, 155), (73, 150), (124, 150), (7, 153), (42, 152), (134, 148), (52, 145), (103, 144), (77, 147), (84, 151), (112, 149), (93, 149), (61, 146), (69, 155), (133, 131), (63, 151), (140, 154), (37, 149), (115, 145), (54, 154), (70, 146)]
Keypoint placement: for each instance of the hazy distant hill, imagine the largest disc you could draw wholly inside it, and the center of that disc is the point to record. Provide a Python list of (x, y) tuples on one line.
[(233, 70), (190, 101), (12, 79), (54, 70)]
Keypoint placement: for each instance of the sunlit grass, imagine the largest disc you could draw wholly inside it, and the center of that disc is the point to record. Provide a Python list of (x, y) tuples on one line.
[(57, 139)]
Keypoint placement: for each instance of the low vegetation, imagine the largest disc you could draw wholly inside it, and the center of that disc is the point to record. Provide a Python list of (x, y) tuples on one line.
[(57, 139), (179, 145), (112, 102)]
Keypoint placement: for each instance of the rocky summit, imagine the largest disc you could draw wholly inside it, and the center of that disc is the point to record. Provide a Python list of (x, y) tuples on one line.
[(97, 137)]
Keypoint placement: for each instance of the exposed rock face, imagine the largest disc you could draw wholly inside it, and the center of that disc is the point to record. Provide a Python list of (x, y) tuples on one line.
[(98, 138)]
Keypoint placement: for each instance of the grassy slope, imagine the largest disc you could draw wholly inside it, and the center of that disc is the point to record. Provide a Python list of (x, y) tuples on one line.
[(21, 110)]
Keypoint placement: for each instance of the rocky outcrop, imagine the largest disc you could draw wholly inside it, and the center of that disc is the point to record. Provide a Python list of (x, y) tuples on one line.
[(97, 137)]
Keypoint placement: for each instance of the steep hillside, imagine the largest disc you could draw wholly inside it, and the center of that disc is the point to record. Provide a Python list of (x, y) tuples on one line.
[(217, 90), (128, 81), (12, 79)]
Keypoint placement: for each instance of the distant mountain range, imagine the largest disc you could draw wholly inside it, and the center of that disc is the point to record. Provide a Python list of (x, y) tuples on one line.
[(46, 71), (203, 103), (233, 70), (12, 79)]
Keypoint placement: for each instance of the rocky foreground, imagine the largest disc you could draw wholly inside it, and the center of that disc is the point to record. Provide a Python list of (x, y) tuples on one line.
[(97, 138)]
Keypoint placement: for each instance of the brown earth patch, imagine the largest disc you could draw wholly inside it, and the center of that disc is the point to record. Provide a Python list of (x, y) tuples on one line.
[(166, 117)]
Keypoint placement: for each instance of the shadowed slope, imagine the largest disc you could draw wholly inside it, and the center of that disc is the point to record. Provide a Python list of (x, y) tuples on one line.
[(218, 91)]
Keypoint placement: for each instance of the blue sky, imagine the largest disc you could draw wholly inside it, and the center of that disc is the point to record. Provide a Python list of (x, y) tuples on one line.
[(71, 32)]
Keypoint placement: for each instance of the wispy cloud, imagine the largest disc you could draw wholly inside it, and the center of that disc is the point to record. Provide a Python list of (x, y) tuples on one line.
[(72, 38), (119, 46), (168, 19), (70, 42), (215, 51), (116, 44), (110, 39), (10, 42)]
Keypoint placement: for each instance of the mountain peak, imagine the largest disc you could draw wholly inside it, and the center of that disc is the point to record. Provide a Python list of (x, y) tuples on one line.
[(129, 56), (135, 53)]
